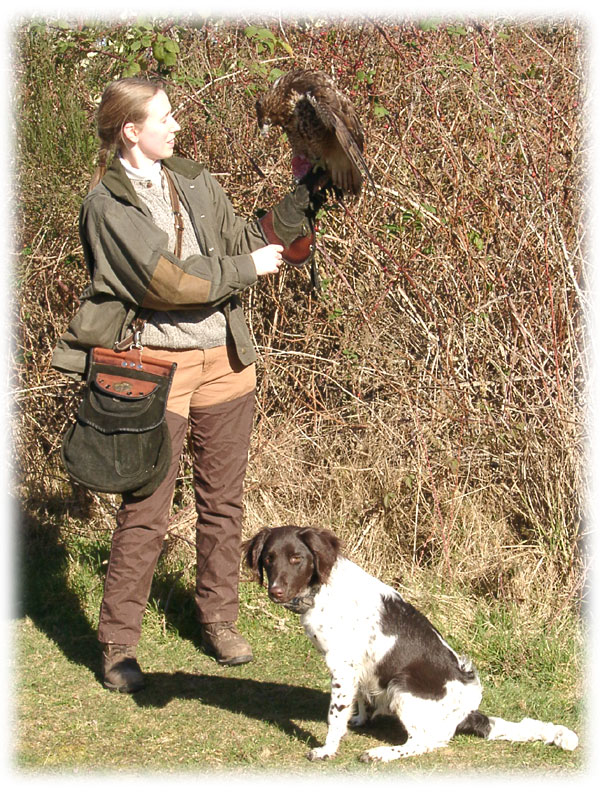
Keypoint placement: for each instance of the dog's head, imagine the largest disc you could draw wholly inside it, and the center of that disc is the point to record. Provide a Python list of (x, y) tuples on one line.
[(295, 560)]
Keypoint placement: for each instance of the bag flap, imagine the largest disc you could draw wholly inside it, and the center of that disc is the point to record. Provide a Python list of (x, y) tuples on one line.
[(132, 360), (125, 385)]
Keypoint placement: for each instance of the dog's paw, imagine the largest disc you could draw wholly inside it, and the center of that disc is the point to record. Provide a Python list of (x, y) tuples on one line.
[(383, 754), (367, 757), (357, 721), (320, 754)]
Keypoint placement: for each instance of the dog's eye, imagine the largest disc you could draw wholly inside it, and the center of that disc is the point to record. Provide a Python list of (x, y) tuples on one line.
[(295, 559)]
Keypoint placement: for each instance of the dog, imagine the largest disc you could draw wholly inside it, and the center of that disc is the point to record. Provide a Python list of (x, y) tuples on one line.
[(384, 656)]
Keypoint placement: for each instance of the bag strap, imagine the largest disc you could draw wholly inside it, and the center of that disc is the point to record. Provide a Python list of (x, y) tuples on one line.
[(177, 216), (133, 340)]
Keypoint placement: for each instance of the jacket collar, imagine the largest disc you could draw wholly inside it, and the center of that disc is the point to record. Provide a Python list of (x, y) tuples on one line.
[(116, 180)]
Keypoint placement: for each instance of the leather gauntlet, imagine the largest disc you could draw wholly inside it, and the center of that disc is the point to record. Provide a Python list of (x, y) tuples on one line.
[(290, 224)]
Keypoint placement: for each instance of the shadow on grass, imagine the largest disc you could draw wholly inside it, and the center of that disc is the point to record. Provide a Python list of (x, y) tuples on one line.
[(45, 591), (42, 589), (266, 701), (45, 595)]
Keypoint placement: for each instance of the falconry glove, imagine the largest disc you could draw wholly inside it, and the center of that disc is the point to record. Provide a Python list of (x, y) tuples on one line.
[(290, 224), (290, 216)]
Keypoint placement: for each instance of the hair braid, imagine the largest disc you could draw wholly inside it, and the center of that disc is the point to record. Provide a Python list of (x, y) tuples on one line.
[(103, 155)]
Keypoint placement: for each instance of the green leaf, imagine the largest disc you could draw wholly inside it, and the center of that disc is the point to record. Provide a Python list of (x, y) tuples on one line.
[(285, 46), (132, 69), (477, 240), (367, 77), (462, 63), (379, 111), (457, 30), (430, 24), (158, 50)]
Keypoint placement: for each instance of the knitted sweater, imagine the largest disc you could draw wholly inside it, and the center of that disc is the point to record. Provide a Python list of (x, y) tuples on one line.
[(185, 329)]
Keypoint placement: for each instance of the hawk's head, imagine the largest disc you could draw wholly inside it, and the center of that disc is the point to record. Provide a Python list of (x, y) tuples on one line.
[(275, 108)]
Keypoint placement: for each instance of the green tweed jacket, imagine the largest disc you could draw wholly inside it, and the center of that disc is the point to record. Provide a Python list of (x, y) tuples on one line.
[(131, 267)]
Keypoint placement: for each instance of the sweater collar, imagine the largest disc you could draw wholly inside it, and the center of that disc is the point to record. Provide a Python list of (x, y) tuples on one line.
[(149, 174), (116, 180)]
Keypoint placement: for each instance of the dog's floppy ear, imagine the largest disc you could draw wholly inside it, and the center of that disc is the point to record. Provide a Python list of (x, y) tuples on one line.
[(252, 550), (325, 547)]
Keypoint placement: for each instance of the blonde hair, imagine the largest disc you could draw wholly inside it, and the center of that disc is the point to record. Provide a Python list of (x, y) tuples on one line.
[(123, 102)]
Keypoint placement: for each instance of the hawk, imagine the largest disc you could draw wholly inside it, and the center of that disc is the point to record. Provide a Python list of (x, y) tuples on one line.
[(322, 127)]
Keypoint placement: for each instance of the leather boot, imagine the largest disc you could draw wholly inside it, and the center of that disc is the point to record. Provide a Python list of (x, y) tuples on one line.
[(225, 643), (120, 669)]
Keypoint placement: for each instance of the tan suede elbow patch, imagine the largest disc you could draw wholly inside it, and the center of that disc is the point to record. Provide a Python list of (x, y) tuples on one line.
[(172, 288)]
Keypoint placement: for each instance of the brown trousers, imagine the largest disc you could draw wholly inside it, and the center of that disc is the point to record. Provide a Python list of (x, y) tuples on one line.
[(213, 394)]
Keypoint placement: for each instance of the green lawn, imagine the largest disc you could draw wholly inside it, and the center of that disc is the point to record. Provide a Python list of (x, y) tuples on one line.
[(195, 716)]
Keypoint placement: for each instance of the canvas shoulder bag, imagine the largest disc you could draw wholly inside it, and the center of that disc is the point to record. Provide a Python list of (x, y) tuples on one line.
[(119, 442)]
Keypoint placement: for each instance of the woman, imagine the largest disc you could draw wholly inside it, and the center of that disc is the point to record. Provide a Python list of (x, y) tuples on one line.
[(190, 300)]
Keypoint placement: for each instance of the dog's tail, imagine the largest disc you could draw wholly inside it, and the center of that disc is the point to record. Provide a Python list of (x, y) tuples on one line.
[(528, 730)]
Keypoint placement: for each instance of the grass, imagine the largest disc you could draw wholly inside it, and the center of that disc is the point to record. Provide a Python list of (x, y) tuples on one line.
[(194, 716)]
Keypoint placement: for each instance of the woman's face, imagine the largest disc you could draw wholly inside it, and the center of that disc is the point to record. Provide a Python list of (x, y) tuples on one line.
[(155, 139)]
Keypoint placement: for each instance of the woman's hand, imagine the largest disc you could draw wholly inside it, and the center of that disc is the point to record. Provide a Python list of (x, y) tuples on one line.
[(267, 260)]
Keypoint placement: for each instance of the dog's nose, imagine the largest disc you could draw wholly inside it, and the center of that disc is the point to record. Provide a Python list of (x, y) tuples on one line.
[(275, 592)]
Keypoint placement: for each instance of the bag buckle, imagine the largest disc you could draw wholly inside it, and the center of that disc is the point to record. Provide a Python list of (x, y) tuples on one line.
[(137, 340)]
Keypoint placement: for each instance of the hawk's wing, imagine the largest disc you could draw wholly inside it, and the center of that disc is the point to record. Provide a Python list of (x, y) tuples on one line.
[(337, 114), (321, 124)]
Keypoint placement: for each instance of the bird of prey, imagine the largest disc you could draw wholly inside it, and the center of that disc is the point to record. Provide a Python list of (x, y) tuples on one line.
[(322, 127)]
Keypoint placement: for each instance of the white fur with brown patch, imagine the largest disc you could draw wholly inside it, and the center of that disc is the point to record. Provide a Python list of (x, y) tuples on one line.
[(384, 656)]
